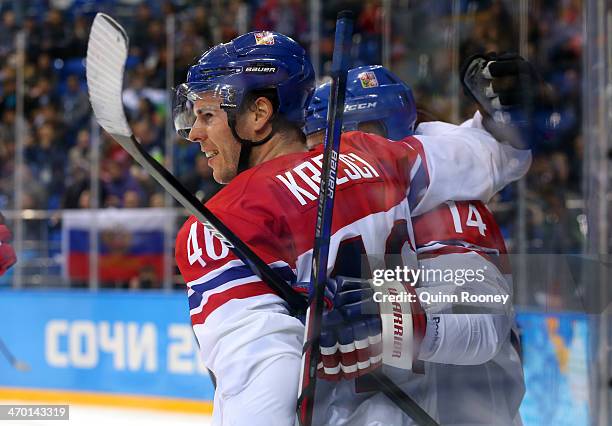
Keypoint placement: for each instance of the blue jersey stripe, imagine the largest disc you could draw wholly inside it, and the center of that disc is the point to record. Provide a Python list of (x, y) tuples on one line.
[(419, 183), (232, 274)]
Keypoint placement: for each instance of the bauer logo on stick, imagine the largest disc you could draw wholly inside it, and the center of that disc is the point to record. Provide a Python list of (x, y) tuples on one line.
[(265, 38), (368, 79)]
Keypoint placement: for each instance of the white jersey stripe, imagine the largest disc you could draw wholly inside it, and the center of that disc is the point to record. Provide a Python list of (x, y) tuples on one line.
[(207, 294)]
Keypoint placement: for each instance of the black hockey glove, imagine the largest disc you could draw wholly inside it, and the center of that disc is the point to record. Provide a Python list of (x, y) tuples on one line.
[(509, 92)]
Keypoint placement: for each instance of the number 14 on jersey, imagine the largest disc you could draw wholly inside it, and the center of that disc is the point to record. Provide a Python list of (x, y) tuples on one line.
[(473, 218)]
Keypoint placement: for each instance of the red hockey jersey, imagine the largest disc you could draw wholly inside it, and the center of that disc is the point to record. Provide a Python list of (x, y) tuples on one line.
[(245, 334)]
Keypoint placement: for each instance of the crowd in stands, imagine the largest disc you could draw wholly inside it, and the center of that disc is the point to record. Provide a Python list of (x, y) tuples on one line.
[(555, 48), (58, 126)]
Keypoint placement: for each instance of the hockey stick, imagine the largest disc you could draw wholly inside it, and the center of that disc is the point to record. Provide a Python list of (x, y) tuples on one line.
[(107, 51), (327, 191), (310, 353), (17, 365)]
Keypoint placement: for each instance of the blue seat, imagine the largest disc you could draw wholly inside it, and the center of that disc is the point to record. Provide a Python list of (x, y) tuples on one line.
[(73, 66)]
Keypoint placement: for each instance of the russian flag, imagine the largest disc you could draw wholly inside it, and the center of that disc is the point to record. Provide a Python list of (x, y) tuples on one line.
[(128, 241)]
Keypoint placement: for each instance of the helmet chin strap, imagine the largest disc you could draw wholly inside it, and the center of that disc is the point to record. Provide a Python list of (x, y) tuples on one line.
[(246, 145)]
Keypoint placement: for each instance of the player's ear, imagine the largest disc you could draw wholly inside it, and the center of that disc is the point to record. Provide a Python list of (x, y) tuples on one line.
[(262, 113)]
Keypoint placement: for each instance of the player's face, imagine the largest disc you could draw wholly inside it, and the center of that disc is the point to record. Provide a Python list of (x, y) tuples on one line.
[(216, 141)]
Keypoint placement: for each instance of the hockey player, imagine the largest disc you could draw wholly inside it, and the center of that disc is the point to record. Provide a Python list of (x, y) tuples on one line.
[(474, 374), (244, 103), (7, 253), (376, 102)]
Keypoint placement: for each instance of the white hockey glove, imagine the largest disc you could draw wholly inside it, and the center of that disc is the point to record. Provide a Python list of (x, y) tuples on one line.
[(359, 334)]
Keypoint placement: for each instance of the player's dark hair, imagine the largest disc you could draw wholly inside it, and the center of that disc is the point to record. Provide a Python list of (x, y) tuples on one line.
[(373, 126)]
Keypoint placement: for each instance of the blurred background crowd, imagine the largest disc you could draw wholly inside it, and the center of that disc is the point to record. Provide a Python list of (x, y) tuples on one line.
[(425, 43)]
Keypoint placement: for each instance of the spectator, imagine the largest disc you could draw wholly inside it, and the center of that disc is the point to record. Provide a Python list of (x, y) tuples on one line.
[(42, 94), (8, 94), (139, 41), (7, 129), (284, 16), (47, 160), (7, 35), (77, 184), (201, 24), (139, 89), (145, 280), (78, 155), (80, 36), (131, 199), (33, 38), (75, 105), (56, 35), (199, 181), (118, 181), (35, 194), (149, 137), (156, 200), (85, 200)]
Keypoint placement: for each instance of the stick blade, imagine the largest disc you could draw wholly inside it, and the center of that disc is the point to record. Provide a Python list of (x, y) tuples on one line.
[(107, 51)]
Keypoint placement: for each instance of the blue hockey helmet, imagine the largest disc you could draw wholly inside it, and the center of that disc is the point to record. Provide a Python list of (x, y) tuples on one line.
[(251, 62), (373, 93)]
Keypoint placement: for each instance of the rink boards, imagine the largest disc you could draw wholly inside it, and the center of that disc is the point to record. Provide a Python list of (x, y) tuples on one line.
[(137, 349), (101, 344)]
